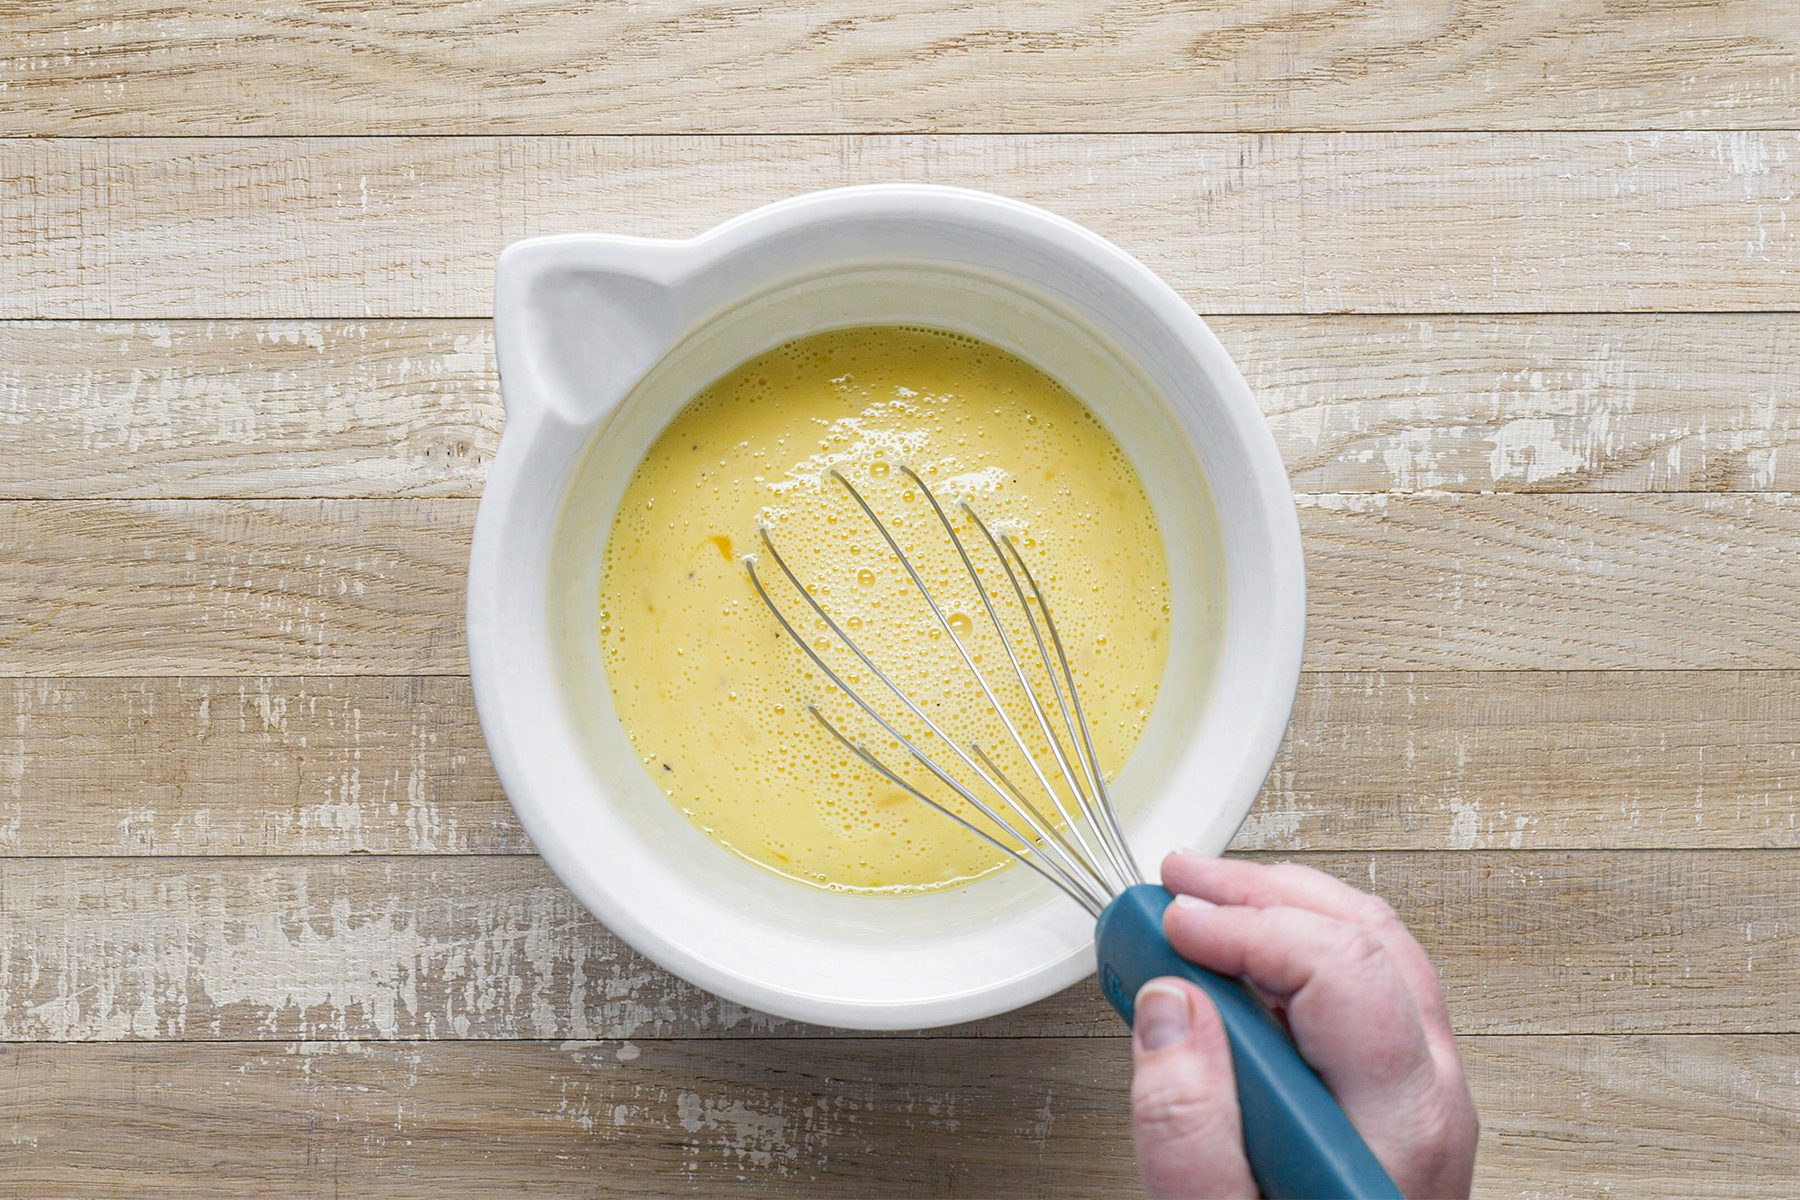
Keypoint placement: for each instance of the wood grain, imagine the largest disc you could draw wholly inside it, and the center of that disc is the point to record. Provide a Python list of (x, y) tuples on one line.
[(1543, 760), (554, 66), (1688, 403), (157, 588), (266, 765), (1691, 941), (1426, 582), (410, 227), (249, 399), (1420, 761), (1551, 582), (172, 409), (168, 409), (1698, 1117)]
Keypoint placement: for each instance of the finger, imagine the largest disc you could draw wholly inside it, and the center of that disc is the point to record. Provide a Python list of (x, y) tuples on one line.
[(1352, 1015), (1184, 1107), (1266, 885)]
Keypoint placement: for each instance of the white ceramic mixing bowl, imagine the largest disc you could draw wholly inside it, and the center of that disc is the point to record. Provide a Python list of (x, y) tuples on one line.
[(602, 339)]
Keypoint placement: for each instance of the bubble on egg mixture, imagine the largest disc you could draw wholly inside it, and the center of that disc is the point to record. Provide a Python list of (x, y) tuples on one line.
[(717, 698)]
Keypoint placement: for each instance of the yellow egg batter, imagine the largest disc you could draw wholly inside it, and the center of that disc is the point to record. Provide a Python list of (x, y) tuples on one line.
[(714, 695)]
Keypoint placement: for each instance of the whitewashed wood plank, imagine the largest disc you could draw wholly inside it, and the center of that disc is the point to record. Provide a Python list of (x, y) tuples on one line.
[(167, 409), (1692, 941), (408, 227), (1453, 582), (1674, 1117), (326, 765), (555, 66), (1425, 582), (252, 766), (1467, 760), (158, 587), (170, 409), (1559, 403)]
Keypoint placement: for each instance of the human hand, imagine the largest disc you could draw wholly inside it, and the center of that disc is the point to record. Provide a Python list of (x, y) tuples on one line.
[(1354, 988)]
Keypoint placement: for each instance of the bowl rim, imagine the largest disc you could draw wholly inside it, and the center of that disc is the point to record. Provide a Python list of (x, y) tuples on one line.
[(976, 210)]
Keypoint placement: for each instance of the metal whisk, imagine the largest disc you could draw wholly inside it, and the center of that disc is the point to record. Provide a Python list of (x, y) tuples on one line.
[(1296, 1136), (1081, 849)]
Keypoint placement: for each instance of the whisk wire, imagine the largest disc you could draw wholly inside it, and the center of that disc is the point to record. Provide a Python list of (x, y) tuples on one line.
[(1092, 862), (1031, 700), (1029, 857), (1073, 864), (1134, 874), (1089, 875), (1092, 806), (1017, 793)]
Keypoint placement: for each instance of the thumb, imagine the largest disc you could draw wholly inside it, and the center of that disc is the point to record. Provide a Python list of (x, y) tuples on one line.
[(1184, 1106)]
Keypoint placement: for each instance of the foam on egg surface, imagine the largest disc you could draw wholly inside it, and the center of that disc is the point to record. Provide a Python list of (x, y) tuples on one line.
[(714, 696)]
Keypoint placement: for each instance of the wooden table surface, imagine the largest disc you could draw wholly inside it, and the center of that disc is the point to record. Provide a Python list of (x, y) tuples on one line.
[(1515, 282)]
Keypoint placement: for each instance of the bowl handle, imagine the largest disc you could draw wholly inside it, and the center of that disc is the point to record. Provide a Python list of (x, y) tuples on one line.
[(579, 319)]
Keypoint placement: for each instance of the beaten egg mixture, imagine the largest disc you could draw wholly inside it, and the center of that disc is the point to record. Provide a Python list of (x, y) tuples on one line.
[(714, 696)]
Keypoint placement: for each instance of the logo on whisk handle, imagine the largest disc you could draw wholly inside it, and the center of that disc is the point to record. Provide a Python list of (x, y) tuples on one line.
[(1113, 988)]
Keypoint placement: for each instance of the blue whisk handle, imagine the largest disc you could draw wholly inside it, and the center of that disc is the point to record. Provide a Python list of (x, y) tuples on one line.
[(1296, 1136)]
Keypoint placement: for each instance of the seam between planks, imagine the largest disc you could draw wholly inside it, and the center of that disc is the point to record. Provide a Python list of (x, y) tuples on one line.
[(522, 856), (1306, 672), (1286, 314), (823, 1035), (465, 497), (922, 131)]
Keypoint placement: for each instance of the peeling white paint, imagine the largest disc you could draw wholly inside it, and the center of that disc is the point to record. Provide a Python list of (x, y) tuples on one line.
[(283, 949), (1270, 828), (1348, 502), (266, 764), (749, 1137), (1529, 451), (273, 407), (15, 764), (1465, 826)]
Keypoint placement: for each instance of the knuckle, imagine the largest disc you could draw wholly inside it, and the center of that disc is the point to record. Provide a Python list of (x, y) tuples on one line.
[(1463, 1118), (1401, 1062), (1378, 913), (1291, 873), (1160, 1111), (1208, 1026), (1360, 953), (1447, 1119)]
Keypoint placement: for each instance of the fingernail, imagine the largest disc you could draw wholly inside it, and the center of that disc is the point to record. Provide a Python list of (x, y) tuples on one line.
[(1183, 900), (1161, 1015)]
